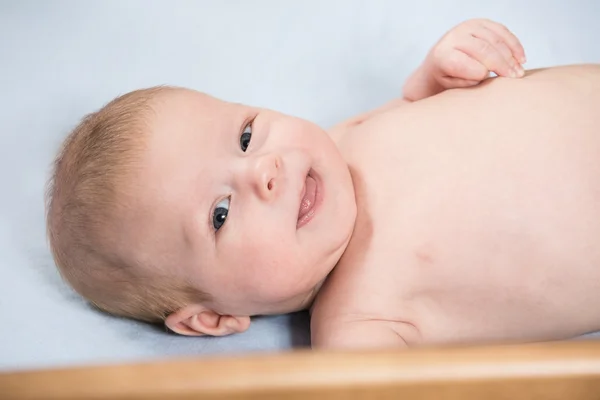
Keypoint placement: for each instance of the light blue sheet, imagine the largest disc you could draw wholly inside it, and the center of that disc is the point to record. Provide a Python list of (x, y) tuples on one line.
[(321, 60)]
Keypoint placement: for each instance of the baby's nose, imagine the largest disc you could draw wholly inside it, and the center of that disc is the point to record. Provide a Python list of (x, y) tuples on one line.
[(265, 175)]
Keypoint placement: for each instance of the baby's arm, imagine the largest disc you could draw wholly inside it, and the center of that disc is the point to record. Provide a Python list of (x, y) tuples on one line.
[(464, 57), (357, 335)]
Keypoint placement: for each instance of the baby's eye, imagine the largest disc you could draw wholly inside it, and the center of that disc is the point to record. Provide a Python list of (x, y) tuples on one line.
[(246, 136), (220, 213)]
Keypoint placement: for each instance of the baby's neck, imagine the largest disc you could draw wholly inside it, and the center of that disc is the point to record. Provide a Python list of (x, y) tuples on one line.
[(313, 295)]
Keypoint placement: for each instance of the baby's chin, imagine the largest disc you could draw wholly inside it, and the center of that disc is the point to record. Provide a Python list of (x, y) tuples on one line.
[(281, 304), (301, 301)]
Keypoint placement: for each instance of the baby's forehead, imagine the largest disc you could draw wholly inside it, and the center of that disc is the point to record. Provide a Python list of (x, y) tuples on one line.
[(184, 119), (182, 96), (196, 106)]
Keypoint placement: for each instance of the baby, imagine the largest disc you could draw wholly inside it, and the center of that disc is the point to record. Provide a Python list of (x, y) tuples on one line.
[(447, 216)]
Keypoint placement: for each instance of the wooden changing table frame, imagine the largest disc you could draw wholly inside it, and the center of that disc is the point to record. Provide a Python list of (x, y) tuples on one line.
[(559, 370)]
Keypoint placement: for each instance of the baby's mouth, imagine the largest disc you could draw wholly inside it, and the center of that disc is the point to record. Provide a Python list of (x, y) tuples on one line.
[(307, 201)]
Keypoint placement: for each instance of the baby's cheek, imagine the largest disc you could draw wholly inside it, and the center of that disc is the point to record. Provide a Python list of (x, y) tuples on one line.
[(278, 280), (306, 132), (290, 128), (280, 290), (266, 265), (287, 281)]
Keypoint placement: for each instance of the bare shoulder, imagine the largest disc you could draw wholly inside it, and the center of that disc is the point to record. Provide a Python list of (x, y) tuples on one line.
[(348, 334), (337, 132), (343, 318), (570, 69), (569, 77)]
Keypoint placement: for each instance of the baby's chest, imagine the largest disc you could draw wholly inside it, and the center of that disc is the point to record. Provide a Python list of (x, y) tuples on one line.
[(449, 291), (424, 257), (437, 216)]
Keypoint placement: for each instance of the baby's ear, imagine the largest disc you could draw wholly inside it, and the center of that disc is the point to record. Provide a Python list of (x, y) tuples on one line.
[(197, 320)]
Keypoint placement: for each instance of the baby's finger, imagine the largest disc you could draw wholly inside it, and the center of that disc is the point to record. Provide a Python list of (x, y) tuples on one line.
[(484, 52), (497, 42), (513, 43), (458, 65), (458, 83)]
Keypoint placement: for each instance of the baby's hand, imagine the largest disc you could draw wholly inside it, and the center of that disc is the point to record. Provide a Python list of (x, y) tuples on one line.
[(469, 52)]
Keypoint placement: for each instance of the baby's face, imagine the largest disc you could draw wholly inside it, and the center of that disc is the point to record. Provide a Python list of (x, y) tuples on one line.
[(251, 206)]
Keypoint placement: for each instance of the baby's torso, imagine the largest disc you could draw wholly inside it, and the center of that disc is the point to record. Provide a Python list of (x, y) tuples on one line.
[(478, 214)]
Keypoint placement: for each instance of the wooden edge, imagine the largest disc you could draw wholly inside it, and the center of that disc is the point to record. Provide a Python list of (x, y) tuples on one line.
[(561, 370)]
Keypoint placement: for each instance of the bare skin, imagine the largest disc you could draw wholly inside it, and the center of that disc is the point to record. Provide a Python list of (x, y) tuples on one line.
[(478, 217), (447, 216)]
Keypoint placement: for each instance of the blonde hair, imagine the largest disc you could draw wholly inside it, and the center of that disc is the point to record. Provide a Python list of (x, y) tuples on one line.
[(85, 196)]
